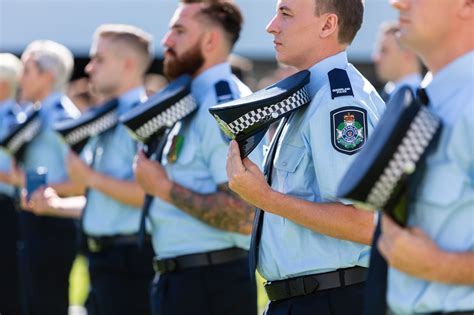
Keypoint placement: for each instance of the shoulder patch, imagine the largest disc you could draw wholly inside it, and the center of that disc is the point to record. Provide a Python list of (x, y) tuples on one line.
[(223, 92), (340, 83), (348, 129)]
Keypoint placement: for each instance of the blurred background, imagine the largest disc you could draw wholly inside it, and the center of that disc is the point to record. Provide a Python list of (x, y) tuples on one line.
[(72, 22)]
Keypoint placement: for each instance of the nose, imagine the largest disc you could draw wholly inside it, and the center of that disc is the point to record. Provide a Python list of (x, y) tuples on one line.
[(272, 26), (89, 67), (375, 57), (400, 5), (167, 40)]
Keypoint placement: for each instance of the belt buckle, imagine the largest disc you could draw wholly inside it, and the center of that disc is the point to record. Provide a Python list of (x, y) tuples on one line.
[(166, 265), (93, 245)]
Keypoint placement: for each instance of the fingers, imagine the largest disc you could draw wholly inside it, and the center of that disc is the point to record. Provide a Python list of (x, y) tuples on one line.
[(383, 246), (389, 227), (248, 164), (234, 158)]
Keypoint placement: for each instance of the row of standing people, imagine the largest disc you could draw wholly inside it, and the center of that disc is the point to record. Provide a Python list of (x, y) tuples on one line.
[(305, 234)]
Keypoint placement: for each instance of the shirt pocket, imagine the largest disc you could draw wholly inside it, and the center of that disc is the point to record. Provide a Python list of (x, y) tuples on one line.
[(286, 165), (442, 185)]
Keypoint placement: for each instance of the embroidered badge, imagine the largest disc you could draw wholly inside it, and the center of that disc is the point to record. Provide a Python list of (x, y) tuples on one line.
[(225, 128), (348, 129)]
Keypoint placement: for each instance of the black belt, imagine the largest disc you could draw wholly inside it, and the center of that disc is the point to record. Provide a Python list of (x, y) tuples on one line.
[(199, 260), (289, 288), (97, 244), (4, 197), (454, 313)]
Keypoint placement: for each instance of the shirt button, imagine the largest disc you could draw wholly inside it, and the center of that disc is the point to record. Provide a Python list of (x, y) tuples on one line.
[(284, 163)]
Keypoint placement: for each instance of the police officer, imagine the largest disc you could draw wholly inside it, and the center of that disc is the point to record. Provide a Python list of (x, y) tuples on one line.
[(48, 246), (200, 228), (394, 64), (310, 247), (10, 72), (432, 259), (120, 272)]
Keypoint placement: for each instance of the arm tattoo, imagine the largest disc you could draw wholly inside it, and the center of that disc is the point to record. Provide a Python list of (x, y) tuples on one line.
[(222, 209)]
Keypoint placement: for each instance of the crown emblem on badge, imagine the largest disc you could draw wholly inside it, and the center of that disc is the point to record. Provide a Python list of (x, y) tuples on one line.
[(349, 119)]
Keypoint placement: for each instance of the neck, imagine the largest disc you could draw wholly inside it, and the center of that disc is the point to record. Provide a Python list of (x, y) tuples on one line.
[(436, 58), (43, 94), (124, 88), (320, 55), (209, 63)]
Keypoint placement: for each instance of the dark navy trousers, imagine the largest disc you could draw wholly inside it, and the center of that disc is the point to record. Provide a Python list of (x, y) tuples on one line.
[(46, 252), (340, 301), (121, 276), (211, 290), (9, 289)]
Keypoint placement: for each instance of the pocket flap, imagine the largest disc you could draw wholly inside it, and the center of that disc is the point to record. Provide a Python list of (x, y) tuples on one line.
[(289, 157)]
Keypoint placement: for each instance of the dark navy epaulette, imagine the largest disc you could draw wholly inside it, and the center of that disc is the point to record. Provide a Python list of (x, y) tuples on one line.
[(224, 95), (223, 92), (340, 83)]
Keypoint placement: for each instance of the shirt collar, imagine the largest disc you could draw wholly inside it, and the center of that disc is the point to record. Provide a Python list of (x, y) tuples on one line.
[(202, 83), (8, 104), (448, 79), (320, 71), (412, 80), (130, 98), (51, 100)]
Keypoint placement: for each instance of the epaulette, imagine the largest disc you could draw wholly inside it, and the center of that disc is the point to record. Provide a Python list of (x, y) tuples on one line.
[(340, 83), (223, 92)]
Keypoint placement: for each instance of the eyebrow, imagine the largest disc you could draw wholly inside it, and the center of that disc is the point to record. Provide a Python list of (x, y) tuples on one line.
[(284, 8), (178, 26)]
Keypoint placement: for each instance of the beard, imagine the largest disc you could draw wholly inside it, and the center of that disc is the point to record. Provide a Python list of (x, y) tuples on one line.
[(188, 63)]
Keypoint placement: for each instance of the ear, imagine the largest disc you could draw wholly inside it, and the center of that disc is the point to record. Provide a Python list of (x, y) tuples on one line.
[(129, 63), (210, 40), (467, 9), (330, 26), (48, 77)]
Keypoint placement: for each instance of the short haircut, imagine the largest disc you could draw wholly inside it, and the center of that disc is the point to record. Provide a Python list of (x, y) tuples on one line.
[(350, 14), (137, 39), (10, 72), (51, 57), (223, 13)]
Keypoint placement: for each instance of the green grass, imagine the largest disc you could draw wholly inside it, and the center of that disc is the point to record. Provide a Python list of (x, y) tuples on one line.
[(79, 285), (79, 282)]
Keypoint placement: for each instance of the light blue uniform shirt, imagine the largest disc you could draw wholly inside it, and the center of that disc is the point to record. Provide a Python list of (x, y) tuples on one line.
[(7, 120), (412, 80), (308, 167), (47, 149), (443, 206), (200, 167), (114, 153)]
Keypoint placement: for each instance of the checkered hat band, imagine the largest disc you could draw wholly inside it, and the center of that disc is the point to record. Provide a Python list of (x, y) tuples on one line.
[(93, 128), (24, 136), (168, 117), (296, 100), (420, 133)]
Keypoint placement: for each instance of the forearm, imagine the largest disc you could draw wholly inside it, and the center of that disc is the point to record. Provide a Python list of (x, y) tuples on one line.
[(222, 210), (69, 188), (450, 268), (68, 207), (332, 219), (126, 192), (4, 178)]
